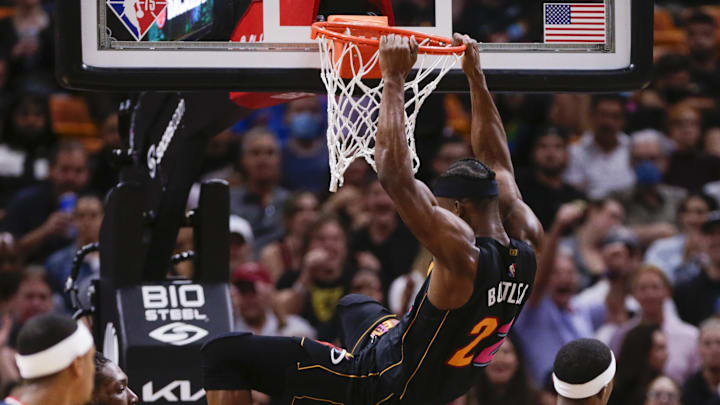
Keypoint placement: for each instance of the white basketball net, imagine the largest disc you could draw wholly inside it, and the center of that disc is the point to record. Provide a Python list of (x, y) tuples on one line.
[(352, 120)]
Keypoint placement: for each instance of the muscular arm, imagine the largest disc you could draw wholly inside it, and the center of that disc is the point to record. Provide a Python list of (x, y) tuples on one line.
[(489, 145), (446, 236)]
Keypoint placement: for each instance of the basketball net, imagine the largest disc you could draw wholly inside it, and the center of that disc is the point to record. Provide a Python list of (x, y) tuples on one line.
[(354, 104)]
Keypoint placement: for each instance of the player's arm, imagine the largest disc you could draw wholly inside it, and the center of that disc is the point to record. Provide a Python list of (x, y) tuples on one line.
[(446, 236), (489, 145)]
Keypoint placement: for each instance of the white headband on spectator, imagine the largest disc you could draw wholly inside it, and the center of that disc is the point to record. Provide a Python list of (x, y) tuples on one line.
[(588, 389), (56, 357)]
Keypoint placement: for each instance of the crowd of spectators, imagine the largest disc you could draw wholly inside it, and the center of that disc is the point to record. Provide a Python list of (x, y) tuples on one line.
[(627, 187)]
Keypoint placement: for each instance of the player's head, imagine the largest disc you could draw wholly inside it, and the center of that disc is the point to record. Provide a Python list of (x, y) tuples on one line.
[(468, 187), (56, 351), (584, 372), (111, 384)]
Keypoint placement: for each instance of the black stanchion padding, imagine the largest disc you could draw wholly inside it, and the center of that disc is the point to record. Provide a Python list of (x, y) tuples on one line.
[(211, 233), (160, 330)]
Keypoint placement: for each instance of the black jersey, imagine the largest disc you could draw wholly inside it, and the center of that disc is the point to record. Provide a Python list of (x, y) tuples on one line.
[(429, 357), (434, 356)]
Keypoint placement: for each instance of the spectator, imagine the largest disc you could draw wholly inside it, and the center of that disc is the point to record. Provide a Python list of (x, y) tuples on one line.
[(367, 282), (543, 187), (111, 384), (549, 316), (702, 387), (505, 381), (671, 81), (5, 94), (689, 167), (29, 37), (104, 174), (348, 204), (701, 31), (241, 242), (569, 113), (642, 357), (548, 395), (678, 256), (10, 258), (663, 391), (449, 150), (711, 144), (587, 238), (322, 280), (86, 219), (357, 174), (650, 206), (621, 254), (403, 289), (33, 215), (252, 295), (385, 236), (33, 298), (285, 255), (699, 297), (306, 164), (600, 161), (651, 288), (260, 199), (26, 140)]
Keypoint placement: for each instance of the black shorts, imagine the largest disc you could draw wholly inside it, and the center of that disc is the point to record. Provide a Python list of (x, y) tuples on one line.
[(299, 370)]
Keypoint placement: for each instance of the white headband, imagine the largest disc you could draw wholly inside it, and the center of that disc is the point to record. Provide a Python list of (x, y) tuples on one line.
[(588, 389), (56, 357)]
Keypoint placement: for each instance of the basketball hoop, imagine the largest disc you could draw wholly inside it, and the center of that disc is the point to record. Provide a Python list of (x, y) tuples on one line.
[(349, 52)]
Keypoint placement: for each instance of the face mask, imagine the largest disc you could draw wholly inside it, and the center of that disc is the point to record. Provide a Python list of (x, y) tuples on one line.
[(647, 173), (305, 125)]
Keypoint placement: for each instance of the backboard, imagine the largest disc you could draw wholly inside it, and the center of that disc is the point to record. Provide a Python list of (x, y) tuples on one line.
[(265, 45)]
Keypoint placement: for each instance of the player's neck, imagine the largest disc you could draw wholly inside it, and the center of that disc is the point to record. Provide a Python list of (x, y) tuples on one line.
[(566, 401), (42, 394), (488, 226)]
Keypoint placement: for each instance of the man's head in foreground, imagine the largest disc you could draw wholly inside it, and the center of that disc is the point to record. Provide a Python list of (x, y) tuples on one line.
[(584, 372), (55, 355)]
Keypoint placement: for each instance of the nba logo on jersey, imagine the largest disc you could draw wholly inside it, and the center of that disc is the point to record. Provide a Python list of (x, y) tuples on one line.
[(511, 270), (137, 15)]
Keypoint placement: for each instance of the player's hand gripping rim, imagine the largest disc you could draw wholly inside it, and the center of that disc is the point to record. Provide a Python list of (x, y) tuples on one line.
[(398, 55)]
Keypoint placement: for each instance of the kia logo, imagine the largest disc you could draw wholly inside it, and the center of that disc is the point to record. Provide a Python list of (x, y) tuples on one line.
[(178, 333)]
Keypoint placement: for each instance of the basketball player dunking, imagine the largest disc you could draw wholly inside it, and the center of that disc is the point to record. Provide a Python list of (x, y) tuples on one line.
[(479, 280)]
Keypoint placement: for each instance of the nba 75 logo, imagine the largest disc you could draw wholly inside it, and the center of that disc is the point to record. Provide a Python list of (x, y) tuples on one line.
[(137, 15)]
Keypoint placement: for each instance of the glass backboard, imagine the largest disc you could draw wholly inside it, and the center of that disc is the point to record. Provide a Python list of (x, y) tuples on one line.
[(265, 45)]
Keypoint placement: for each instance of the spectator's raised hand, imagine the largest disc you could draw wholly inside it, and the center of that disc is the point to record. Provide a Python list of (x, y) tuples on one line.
[(368, 261), (569, 214)]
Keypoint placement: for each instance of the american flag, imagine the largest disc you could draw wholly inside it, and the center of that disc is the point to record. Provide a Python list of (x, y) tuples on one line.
[(573, 23)]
